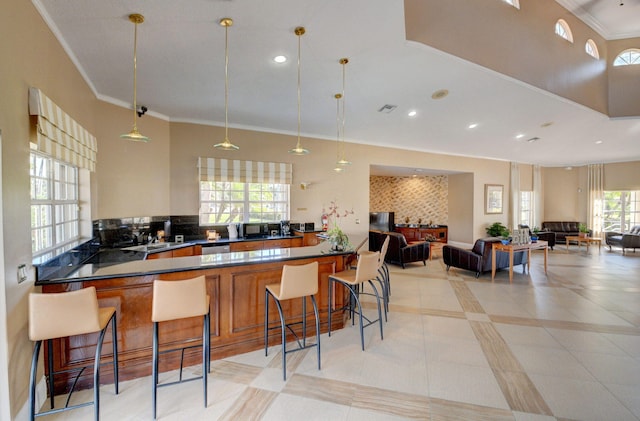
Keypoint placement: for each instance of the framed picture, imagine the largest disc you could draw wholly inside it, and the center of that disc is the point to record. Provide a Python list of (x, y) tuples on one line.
[(493, 194)]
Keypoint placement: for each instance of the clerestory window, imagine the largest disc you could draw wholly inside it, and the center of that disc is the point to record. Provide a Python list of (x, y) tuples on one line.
[(563, 30), (628, 57), (591, 48)]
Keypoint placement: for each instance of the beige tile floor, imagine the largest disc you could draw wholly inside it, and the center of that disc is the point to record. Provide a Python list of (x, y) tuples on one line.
[(565, 346)]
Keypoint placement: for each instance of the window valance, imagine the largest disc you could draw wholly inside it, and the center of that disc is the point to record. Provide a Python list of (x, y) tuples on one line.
[(217, 169), (61, 136)]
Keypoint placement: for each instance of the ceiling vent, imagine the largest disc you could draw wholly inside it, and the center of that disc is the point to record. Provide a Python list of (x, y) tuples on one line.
[(387, 108), (533, 139)]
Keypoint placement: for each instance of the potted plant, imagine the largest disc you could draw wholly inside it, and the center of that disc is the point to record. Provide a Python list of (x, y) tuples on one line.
[(534, 234), (584, 231), (497, 230), (337, 238)]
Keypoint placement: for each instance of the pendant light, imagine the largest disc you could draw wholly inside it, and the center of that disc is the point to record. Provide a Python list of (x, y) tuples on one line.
[(342, 161), (299, 150), (134, 134), (226, 145), (338, 168)]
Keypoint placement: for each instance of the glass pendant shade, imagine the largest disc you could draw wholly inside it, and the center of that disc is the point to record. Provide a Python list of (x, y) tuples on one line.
[(299, 150), (226, 145), (134, 134)]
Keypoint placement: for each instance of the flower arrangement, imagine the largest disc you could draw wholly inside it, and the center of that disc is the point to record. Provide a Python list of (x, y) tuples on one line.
[(337, 238)]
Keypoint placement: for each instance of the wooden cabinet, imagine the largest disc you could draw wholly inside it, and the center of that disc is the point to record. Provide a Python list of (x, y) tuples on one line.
[(277, 244), (179, 252), (418, 233), (246, 245), (308, 238)]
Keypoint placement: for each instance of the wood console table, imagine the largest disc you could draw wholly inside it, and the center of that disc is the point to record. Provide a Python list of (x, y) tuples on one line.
[(510, 248)]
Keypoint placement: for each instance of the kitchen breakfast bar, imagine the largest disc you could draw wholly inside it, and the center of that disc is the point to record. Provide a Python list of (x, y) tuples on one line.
[(235, 283)]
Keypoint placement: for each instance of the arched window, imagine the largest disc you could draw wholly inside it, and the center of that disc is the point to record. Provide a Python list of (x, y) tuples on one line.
[(563, 30), (628, 57), (592, 49), (514, 3)]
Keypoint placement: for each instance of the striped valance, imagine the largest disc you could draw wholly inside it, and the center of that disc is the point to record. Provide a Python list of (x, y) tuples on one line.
[(216, 169), (61, 136)]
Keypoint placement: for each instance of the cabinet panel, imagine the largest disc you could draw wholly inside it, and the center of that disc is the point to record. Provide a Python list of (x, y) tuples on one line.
[(277, 244), (246, 245), (184, 251)]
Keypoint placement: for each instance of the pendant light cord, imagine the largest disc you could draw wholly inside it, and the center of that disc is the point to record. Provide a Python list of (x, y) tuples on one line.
[(226, 83), (135, 75), (299, 41)]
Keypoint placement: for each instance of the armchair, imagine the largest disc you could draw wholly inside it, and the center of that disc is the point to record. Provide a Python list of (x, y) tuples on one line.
[(399, 252), (625, 240), (478, 259)]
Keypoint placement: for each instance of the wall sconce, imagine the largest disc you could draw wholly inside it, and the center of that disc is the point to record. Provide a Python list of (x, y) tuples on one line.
[(304, 185)]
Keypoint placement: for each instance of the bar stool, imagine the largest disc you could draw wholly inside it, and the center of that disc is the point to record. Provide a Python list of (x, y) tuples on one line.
[(299, 281), (366, 271), (60, 315), (173, 300), (383, 278)]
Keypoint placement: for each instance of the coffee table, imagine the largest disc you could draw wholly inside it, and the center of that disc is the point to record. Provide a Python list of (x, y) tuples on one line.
[(510, 248), (586, 240), (435, 246)]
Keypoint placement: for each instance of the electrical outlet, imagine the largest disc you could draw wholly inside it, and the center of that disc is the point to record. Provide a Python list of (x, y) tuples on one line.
[(357, 220), (22, 272)]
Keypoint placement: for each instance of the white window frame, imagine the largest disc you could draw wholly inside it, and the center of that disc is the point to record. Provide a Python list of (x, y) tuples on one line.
[(632, 215), (55, 204), (563, 30), (526, 208), (224, 202), (591, 48), (628, 57)]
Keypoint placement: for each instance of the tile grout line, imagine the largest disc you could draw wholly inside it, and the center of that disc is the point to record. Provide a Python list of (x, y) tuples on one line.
[(517, 388)]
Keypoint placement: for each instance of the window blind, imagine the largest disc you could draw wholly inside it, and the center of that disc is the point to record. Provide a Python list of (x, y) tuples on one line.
[(61, 136), (218, 169)]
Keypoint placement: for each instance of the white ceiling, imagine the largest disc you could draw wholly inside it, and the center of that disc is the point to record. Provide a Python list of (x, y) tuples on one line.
[(181, 76)]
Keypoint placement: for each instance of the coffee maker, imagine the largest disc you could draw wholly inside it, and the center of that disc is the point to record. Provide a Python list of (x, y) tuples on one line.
[(285, 227)]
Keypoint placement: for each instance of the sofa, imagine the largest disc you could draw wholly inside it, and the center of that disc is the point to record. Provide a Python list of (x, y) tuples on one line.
[(562, 229), (548, 236), (626, 240), (478, 259), (399, 251)]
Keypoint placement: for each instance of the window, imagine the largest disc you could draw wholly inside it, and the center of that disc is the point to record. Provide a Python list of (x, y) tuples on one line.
[(54, 203), (621, 210), (526, 208), (514, 3), (563, 30), (628, 57), (223, 202), (592, 49)]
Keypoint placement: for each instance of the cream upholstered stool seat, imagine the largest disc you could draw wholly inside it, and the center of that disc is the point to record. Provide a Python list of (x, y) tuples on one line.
[(298, 281), (60, 315), (366, 271), (173, 300)]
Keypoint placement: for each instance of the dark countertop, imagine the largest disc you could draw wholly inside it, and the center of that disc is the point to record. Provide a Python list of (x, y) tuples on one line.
[(98, 270), (226, 241)]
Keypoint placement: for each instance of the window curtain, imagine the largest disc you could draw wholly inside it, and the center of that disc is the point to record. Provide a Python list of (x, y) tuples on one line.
[(595, 188), (536, 207), (514, 195), (60, 136), (217, 169)]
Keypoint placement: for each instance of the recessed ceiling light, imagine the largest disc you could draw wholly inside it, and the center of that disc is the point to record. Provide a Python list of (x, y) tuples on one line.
[(412, 113), (279, 59), (520, 136), (547, 124), (598, 142), (568, 168), (533, 139), (439, 94), (472, 125)]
